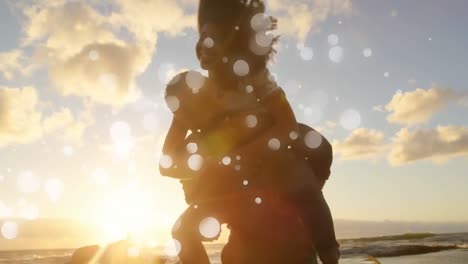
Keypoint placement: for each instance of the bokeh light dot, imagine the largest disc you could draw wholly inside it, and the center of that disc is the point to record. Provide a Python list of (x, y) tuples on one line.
[(367, 52), (172, 103), (195, 162), (195, 80), (172, 248), (333, 39), (241, 68), (306, 53), (350, 119), (150, 122), (54, 188), (260, 22), (274, 144), (336, 54), (313, 139), (258, 200), (120, 131), (68, 151), (226, 160), (100, 176), (210, 227), (251, 121), (165, 161), (9, 230), (293, 135), (192, 148), (93, 55), (28, 182), (208, 43), (264, 39)]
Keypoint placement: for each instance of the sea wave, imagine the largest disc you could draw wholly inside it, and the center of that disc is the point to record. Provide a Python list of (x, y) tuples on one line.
[(395, 251)]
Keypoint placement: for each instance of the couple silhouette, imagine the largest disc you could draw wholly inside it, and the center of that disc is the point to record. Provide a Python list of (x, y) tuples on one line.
[(236, 147)]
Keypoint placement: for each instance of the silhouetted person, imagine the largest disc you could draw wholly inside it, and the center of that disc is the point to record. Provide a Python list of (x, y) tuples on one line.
[(268, 195)]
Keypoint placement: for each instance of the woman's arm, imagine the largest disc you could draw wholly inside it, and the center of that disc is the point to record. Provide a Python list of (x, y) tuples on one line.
[(283, 122), (173, 163)]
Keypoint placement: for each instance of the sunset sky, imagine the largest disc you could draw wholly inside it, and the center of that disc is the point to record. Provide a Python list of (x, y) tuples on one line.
[(82, 116)]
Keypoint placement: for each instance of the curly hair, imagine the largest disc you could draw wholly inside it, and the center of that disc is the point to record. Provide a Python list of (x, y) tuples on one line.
[(245, 22)]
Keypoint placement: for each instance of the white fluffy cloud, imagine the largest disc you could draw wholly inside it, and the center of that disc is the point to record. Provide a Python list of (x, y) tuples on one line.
[(22, 119), (299, 17), (12, 63), (363, 143), (91, 52), (439, 144), (19, 118), (416, 107)]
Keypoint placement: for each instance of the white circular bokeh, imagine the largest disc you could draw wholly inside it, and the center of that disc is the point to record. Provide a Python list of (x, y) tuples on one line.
[(28, 182), (306, 53), (241, 68), (93, 55), (195, 80), (313, 114), (367, 52), (264, 39), (68, 150), (29, 212), (260, 22), (251, 121), (210, 227), (333, 39), (54, 188), (226, 160), (9, 230), (195, 162), (165, 161), (274, 144), (172, 103), (192, 148), (208, 43), (258, 200), (313, 139), (293, 135), (150, 122), (172, 248), (350, 119), (120, 131), (336, 54), (100, 176)]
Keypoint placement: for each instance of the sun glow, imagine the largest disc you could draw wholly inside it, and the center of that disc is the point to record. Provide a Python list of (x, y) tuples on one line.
[(129, 212)]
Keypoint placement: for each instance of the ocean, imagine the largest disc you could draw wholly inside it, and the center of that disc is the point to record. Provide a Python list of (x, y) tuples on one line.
[(402, 249)]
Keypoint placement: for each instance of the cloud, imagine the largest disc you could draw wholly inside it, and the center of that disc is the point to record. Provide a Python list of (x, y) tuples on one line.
[(298, 18), (439, 144), (23, 121), (97, 49), (363, 143), (14, 62), (19, 118), (416, 107)]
